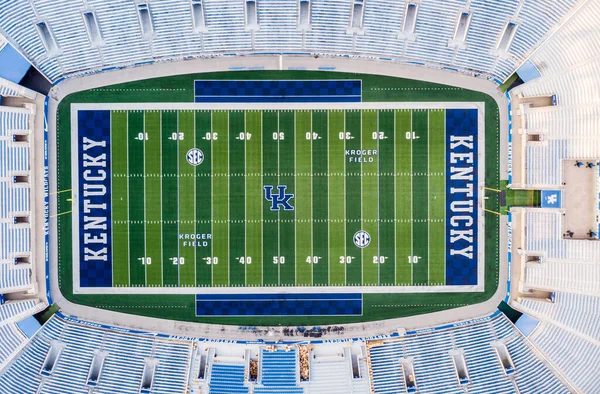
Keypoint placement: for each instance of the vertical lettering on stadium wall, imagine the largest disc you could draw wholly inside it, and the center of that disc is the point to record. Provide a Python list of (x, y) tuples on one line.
[(462, 199), (95, 255)]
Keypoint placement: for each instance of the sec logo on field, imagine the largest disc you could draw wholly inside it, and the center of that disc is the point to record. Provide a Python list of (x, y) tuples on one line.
[(362, 239), (195, 156)]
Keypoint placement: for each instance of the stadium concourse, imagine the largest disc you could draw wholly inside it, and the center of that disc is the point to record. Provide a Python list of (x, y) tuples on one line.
[(544, 53)]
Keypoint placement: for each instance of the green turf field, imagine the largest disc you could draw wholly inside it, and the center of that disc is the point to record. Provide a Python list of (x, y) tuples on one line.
[(398, 198), (210, 225)]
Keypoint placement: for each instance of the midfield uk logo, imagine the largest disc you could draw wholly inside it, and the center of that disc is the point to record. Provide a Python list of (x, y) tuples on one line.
[(279, 200)]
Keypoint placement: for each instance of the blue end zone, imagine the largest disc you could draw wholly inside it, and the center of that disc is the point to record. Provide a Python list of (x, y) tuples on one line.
[(245, 91), (309, 304), (462, 196), (93, 141)]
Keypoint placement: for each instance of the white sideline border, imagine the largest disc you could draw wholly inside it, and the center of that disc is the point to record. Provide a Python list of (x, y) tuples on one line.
[(480, 287), (266, 63)]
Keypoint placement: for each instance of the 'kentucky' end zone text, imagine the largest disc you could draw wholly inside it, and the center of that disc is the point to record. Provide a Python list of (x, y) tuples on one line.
[(279, 197)]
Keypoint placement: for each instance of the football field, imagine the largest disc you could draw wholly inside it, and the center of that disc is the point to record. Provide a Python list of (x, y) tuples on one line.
[(381, 196)]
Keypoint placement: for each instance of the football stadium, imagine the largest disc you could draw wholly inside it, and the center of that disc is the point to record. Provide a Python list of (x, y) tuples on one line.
[(299, 196)]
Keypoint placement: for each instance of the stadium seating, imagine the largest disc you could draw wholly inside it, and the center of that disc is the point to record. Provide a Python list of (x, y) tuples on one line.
[(574, 355), (577, 312), (15, 196), (227, 378), (561, 51), (58, 39), (278, 368), (125, 357), (434, 370), (11, 337), (59, 43), (581, 277)]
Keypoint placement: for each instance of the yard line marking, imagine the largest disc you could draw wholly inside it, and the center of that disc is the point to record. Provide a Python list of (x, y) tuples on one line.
[(145, 202), (295, 222), (278, 211), (445, 197), (378, 210), (228, 206), (428, 203), (362, 225), (178, 211), (68, 190), (128, 205), (395, 199), (312, 194), (262, 238), (162, 245), (245, 207), (344, 192), (195, 200), (412, 226), (328, 209), (60, 214), (212, 203)]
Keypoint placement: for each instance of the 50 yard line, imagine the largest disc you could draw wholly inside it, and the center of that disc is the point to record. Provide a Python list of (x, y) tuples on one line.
[(278, 212)]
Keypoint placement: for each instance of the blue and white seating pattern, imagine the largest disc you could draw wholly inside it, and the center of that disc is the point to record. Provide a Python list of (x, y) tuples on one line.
[(543, 237), (577, 312), (543, 163), (578, 85), (13, 158), (278, 371), (569, 64), (575, 43), (122, 369), (331, 376), (174, 37), (14, 278), (20, 377), (434, 368), (15, 199), (13, 119), (582, 277), (17, 310), (228, 378), (569, 132), (576, 357), (15, 240), (278, 368), (11, 337), (567, 265), (10, 89)]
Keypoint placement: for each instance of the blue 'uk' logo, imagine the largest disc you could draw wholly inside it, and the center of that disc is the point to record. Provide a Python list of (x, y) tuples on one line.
[(279, 200)]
